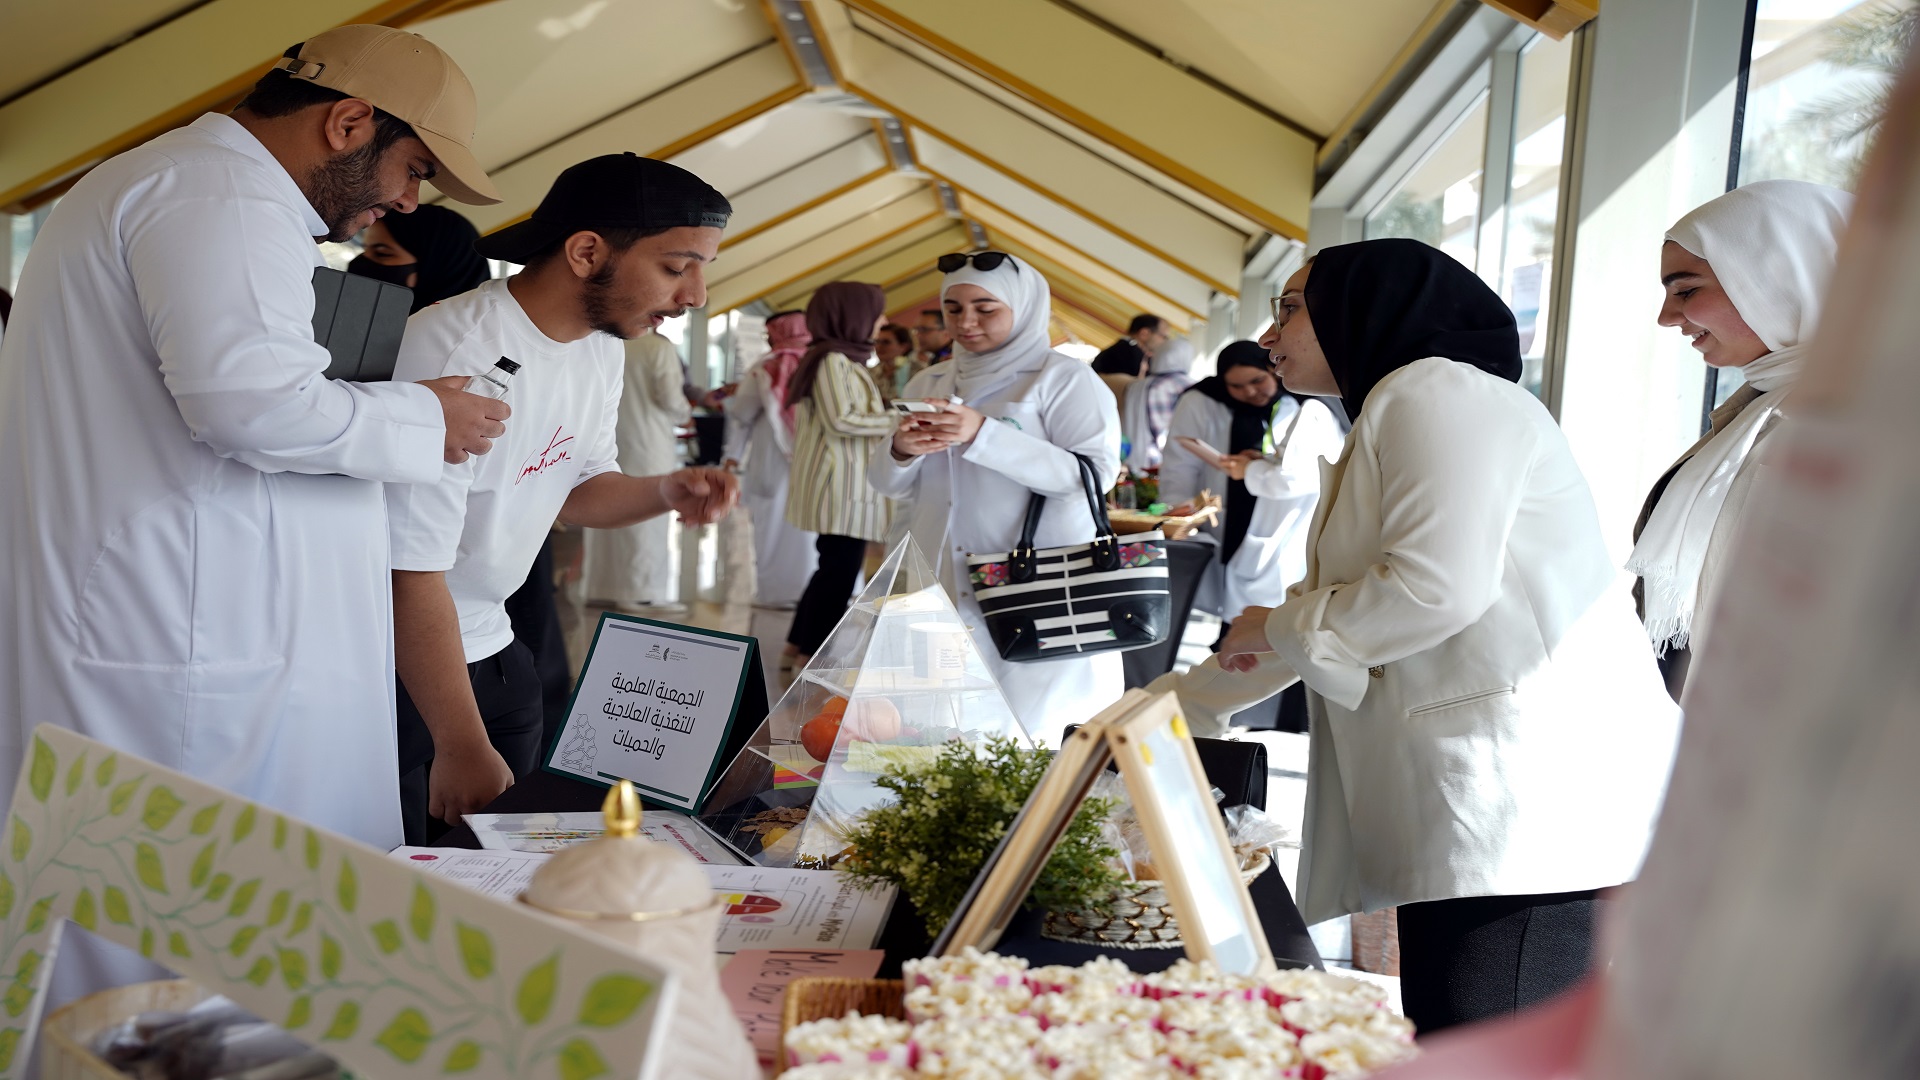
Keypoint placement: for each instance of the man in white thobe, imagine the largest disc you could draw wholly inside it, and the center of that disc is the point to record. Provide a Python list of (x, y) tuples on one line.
[(631, 568), (191, 516)]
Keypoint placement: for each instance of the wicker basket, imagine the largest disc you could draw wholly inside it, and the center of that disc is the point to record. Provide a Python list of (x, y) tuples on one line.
[(1140, 917), (67, 1031), (1127, 522), (822, 998)]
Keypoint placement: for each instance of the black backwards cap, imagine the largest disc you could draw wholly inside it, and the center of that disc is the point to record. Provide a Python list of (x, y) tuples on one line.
[(617, 191)]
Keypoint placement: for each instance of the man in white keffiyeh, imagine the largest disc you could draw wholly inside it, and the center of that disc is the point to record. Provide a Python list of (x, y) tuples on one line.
[(1744, 277)]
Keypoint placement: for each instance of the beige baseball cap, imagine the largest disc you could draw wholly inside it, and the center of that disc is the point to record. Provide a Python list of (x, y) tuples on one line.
[(408, 76)]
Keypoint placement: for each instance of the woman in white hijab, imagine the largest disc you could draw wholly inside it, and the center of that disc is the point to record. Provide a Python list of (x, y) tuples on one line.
[(1744, 276), (1151, 401), (1013, 414)]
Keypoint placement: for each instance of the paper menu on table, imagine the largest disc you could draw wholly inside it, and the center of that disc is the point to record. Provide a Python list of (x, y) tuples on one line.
[(551, 832), (755, 982), (776, 908), (502, 874)]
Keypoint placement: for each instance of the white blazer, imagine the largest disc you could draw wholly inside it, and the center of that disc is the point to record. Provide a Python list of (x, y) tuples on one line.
[(1487, 717)]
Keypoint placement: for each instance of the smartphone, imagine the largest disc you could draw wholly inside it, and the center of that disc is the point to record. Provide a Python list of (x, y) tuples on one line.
[(1202, 451), (914, 407)]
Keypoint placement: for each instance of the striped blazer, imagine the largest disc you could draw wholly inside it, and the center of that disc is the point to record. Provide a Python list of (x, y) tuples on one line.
[(835, 432)]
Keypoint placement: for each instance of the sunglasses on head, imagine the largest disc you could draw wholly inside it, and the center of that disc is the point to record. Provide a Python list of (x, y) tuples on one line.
[(981, 260)]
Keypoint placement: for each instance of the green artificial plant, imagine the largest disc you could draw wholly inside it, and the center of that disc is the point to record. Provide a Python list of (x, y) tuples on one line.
[(951, 814)]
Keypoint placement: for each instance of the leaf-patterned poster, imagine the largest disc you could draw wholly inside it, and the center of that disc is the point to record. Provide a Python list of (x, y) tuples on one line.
[(394, 972)]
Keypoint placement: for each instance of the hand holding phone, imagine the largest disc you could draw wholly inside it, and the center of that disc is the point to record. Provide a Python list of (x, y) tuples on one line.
[(1208, 454)]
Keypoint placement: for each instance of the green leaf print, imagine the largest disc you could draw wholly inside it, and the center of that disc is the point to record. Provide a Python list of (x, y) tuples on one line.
[(41, 769), (260, 972), (177, 945), (114, 900), (162, 805), (147, 867), (329, 958), (580, 1061), (6, 895), (293, 968), (313, 850), (202, 865), (9, 1042), (346, 1021), (464, 1057), (243, 939), (386, 934), (243, 898), (22, 840), (76, 774), (122, 796), (17, 998), (534, 999), (349, 889), (406, 1036), (302, 915), (29, 966), (420, 914), (612, 999), (243, 824), (217, 887), (279, 833), (103, 772), (84, 911), (205, 819), (37, 915), (277, 910), (476, 949), (298, 1014), (146, 942)]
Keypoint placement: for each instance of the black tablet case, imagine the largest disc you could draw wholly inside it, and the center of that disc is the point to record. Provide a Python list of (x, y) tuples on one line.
[(360, 322)]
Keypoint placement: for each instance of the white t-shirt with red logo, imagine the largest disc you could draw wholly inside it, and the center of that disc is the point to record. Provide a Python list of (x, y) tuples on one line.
[(483, 523)]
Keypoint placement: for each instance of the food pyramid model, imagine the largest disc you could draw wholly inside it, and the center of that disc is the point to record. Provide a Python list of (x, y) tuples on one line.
[(897, 680)]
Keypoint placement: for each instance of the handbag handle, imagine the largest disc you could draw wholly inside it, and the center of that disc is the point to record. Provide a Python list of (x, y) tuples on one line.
[(1105, 550)]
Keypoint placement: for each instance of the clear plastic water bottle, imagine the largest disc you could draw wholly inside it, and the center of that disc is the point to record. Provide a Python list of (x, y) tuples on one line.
[(1123, 492), (493, 382)]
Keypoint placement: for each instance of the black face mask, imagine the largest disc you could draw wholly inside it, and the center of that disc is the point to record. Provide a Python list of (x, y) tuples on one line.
[(392, 275)]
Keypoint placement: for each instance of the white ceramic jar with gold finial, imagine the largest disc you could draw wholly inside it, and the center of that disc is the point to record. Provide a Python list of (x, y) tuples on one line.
[(655, 900)]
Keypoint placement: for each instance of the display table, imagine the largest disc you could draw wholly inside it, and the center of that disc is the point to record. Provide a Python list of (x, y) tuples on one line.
[(1239, 769)]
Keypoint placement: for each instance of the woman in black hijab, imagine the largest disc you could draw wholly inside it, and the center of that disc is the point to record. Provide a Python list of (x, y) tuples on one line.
[(429, 251), (1490, 734)]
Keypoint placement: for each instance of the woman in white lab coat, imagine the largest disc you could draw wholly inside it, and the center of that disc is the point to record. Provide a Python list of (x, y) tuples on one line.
[(1273, 442), (632, 568), (1490, 736), (760, 439), (966, 474)]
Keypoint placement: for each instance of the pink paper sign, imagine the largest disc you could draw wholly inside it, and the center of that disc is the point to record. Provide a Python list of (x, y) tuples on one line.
[(755, 981)]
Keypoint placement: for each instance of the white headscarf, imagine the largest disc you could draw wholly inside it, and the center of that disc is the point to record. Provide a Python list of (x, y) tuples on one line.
[(1772, 246), (1022, 289)]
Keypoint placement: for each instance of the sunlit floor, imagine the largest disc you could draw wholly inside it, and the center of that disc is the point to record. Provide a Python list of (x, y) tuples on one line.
[(714, 568)]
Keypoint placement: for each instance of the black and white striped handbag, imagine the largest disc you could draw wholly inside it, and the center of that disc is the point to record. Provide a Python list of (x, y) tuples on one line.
[(1057, 603)]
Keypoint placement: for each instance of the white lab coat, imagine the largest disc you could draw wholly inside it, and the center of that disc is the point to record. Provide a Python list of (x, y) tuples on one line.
[(1487, 716), (635, 562), (783, 556), (973, 500), (1285, 484), (191, 517)]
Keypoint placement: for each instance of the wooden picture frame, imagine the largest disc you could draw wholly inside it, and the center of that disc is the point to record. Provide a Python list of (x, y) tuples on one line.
[(1145, 735)]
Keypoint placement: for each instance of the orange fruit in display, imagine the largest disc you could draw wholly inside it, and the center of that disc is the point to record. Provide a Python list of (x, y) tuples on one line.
[(834, 707), (818, 736), (873, 719)]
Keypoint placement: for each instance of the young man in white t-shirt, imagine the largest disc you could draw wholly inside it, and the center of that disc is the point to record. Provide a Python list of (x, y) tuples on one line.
[(618, 246)]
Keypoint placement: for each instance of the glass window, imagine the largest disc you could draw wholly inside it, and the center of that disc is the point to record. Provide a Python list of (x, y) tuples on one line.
[(1817, 82), (1439, 201), (1533, 195)]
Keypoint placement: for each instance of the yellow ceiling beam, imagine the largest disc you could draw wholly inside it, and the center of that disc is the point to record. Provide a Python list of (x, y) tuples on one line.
[(1046, 162), (1084, 326), (913, 255), (791, 212), (1118, 94), (202, 60), (1554, 18), (916, 215), (1091, 296), (1115, 282), (676, 119), (820, 222)]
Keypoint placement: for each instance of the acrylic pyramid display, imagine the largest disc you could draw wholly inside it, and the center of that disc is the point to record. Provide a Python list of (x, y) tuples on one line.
[(898, 679)]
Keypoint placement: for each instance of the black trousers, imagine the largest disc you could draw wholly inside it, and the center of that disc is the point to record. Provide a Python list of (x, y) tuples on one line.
[(827, 592), (507, 688), (1484, 956)]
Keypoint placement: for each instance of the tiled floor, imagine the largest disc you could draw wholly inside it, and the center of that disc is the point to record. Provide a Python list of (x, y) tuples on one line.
[(715, 572)]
